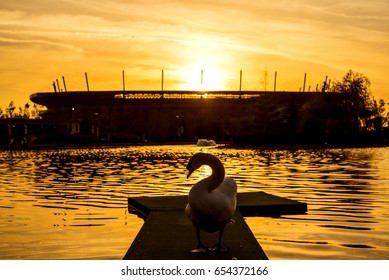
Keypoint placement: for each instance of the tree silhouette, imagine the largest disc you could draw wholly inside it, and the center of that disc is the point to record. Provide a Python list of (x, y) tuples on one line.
[(264, 79), (354, 90), (379, 119), (26, 111), (10, 110)]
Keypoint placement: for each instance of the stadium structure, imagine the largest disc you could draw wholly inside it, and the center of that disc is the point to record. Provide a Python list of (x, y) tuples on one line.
[(139, 116)]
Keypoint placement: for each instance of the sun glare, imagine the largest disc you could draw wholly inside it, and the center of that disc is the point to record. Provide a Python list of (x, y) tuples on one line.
[(203, 79)]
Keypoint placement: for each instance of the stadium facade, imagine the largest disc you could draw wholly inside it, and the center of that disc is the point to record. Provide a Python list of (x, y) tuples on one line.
[(138, 116)]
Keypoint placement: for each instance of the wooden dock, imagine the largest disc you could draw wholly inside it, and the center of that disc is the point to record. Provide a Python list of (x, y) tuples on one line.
[(167, 233)]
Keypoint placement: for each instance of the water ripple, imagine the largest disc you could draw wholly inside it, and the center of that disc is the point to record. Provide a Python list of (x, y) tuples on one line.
[(346, 191)]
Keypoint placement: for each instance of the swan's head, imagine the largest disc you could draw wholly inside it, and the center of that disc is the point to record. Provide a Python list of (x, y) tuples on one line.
[(192, 165), (190, 169), (197, 160)]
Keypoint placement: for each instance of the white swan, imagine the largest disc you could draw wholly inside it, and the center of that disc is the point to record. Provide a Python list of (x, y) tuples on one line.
[(205, 142), (212, 201)]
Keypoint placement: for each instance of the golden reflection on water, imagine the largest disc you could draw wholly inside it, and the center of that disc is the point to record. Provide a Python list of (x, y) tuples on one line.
[(72, 204)]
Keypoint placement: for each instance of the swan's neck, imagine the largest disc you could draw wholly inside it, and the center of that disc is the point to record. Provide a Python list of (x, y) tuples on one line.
[(217, 176)]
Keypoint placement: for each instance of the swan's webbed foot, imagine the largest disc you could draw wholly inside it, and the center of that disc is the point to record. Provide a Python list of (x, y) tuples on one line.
[(218, 248), (200, 249)]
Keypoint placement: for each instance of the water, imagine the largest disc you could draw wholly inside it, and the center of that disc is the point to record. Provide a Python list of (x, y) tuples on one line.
[(72, 203)]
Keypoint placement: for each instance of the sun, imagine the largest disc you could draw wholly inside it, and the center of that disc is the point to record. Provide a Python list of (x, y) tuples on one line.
[(202, 79)]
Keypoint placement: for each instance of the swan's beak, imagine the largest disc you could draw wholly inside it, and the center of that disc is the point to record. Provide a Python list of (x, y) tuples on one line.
[(190, 169)]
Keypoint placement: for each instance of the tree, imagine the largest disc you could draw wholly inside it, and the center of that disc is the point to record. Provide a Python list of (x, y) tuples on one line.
[(378, 120), (354, 91), (35, 111), (10, 110), (264, 80), (20, 114), (26, 112)]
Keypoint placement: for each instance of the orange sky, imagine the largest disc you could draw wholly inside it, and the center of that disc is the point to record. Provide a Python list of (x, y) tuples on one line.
[(43, 40)]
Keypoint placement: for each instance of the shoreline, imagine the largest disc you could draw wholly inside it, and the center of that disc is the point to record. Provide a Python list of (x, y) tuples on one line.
[(221, 145)]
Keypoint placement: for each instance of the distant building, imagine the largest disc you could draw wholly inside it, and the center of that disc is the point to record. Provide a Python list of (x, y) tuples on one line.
[(137, 116), (246, 117), (23, 131)]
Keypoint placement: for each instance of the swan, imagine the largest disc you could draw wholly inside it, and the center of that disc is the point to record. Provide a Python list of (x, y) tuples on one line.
[(205, 142), (211, 201)]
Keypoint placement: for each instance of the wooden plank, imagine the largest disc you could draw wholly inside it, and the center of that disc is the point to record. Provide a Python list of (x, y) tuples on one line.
[(169, 235), (264, 204), (250, 204)]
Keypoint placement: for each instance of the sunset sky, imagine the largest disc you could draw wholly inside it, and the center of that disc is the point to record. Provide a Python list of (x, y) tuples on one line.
[(43, 40)]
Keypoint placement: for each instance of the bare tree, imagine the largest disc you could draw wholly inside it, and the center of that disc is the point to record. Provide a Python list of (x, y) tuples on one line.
[(10, 109), (264, 79)]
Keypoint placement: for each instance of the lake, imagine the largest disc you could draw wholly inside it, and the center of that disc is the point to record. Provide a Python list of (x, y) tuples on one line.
[(72, 203)]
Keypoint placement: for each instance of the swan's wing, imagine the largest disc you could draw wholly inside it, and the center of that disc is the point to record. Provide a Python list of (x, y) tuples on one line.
[(211, 211), (226, 193), (189, 214), (228, 187)]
